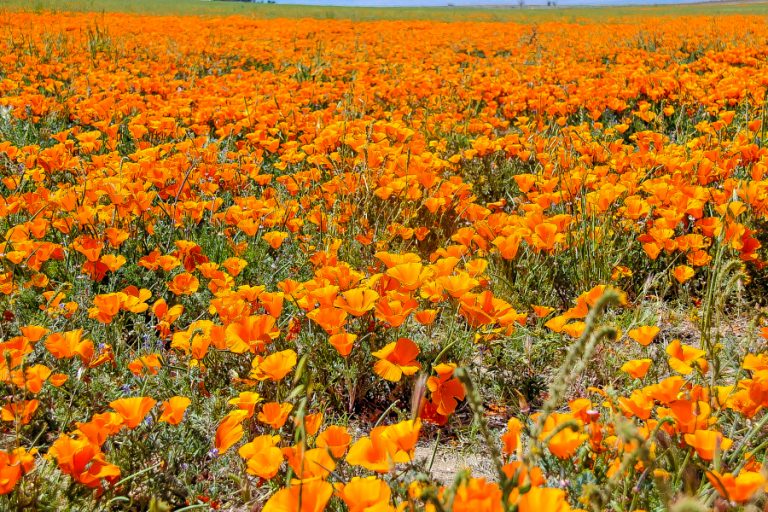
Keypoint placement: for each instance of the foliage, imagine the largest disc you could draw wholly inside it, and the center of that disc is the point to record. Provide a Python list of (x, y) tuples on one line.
[(251, 263)]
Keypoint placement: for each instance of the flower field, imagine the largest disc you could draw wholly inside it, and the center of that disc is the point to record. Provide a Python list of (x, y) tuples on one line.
[(289, 264)]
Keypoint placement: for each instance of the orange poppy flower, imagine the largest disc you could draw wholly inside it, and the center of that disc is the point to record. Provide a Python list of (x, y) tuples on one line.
[(543, 498), (564, 443), (101, 427), (409, 275), (234, 266), (149, 364), (89, 141), (385, 446), (432, 291), (275, 414), (667, 390), (32, 378), (82, 460), (395, 309), (72, 454), (542, 311), (683, 357), (251, 333), (246, 401), (478, 494), (230, 430), (273, 367), (507, 246), (262, 456), (113, 262), (159, 149), (707, 442), (116, 236), (690, 415), (357, 302), (511, 438), (196, 339), (446, 391), (134, 299), (644, 335), (19, 411), (105, 307), (534, 476), (683, 273), (620, 272), (363, 494), (168, 262), (373, 452), (335, 439), (13, 465), (324, 296), (426, 316), (637, 368), (444, 266), (343, 342), (392, 259), (574, 329), (310, 496), (740, 488), (69, 344), (312, 423), (397, 359), (329, 318), (174, 409), (190, 254), (184, 284), (88, 247), (133, 410), (476, 267), (98, 470), (272, 303), (457, 285), (546, 236), (34, 333), (275, 238), (58, 379), (313, 463), (166, 316)]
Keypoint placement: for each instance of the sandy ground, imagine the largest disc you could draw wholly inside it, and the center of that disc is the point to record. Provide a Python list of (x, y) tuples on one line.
[(450, 460)]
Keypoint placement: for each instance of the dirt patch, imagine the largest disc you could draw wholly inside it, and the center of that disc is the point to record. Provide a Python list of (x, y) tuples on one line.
[(448, 461)]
